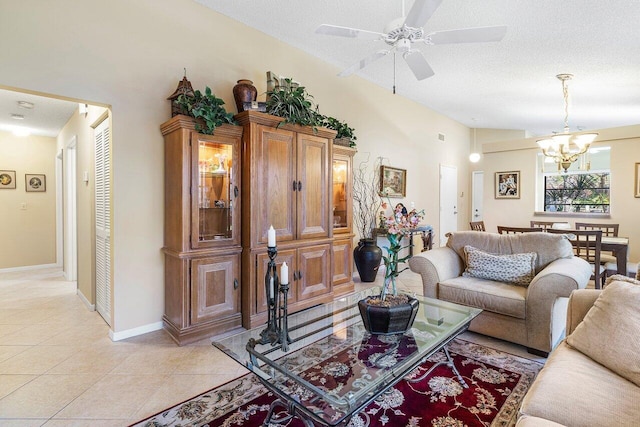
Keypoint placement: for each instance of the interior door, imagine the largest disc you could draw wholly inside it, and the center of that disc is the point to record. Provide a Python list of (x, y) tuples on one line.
[(102, 138), (448, 201), (477, 183)]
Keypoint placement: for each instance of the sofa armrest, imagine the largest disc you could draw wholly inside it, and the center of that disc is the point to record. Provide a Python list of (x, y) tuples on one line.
[(435, 266), (580, 303), (558, 279)]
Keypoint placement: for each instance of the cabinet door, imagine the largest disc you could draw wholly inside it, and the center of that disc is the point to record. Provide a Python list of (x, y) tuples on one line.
[(287, 256), (313, 187), (313, 272), (342, 262), (274, 154), (215, 291), (215, 195), (342, 189)]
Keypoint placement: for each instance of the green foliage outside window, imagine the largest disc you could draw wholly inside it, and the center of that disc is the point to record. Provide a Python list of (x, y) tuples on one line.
[(578, 192)]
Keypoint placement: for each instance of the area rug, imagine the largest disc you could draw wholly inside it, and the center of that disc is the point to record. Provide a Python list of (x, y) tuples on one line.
[(497, 383)]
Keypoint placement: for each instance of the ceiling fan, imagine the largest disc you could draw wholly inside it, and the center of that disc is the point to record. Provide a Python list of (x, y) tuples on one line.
[(400, 34)]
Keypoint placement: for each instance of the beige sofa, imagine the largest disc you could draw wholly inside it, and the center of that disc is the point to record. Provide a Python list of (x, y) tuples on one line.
[(573, 389), (533, 315)]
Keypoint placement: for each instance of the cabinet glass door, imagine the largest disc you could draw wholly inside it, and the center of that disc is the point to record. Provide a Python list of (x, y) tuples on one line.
[(340, 189), (217, 191)]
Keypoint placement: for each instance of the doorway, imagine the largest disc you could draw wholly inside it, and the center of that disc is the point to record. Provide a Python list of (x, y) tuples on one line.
[(69, 195), (477, 192), (448, 201)]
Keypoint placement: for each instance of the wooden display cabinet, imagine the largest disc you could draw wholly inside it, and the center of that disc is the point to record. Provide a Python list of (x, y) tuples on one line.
[(202, 230), (342, 209)]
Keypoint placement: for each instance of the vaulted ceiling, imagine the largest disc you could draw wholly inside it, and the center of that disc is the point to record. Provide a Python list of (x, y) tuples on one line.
[(509, 84)]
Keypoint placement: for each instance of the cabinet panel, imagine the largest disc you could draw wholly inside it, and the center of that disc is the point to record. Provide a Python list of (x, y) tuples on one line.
[(215, 288), (313, 271), (313, 194), (275, 151), (287, 256)]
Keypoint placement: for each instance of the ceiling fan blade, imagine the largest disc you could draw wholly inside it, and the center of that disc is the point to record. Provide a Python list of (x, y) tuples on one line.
[(420, 12), (468, 35), (363, 63), (334, 30), (418, 64)]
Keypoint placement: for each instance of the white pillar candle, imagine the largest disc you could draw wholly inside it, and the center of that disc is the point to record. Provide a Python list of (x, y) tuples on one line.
[(271, 288), (284, 274), (271, 237)]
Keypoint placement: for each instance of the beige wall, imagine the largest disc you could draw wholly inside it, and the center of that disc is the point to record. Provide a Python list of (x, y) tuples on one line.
[(80, 127), (28, 236), (521, 155), (134, 59)]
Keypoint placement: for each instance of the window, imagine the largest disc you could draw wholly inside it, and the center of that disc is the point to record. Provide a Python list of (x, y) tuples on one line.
[(576, 192), (584, 188)]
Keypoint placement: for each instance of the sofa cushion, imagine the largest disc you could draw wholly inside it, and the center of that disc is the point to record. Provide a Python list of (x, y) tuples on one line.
[(609, 331), (518, 269), (489, 295), (548, 246), (574, 390)]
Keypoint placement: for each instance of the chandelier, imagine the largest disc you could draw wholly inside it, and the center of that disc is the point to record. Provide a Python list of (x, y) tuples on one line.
[(558, 147)]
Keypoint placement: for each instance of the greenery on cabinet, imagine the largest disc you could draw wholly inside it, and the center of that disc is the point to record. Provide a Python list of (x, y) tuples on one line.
[(206, 108), (294, 104), (343, 129)]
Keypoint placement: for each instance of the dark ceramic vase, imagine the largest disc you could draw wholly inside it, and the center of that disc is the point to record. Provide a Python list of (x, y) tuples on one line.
[(379, 320), (367, 256), (243, 92)]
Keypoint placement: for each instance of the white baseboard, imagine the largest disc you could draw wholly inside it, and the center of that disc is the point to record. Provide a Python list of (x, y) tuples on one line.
[(28, 268), (90, 307), (122, 335)]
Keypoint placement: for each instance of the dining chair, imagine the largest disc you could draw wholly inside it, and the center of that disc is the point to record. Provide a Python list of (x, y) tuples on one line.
[(542, 224), (477, 225), (587, 245), (609, 230), (515, 230)]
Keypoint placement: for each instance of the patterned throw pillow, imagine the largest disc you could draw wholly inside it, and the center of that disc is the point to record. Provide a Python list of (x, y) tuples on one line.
[(518, 269)]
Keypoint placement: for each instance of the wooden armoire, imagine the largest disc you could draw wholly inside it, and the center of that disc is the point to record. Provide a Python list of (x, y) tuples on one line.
[(223, 192)]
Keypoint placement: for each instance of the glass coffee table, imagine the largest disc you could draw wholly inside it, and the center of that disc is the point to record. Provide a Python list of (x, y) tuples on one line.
[(334, 368)]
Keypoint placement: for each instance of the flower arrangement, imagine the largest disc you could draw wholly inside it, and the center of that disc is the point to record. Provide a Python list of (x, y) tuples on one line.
[(398, 224)]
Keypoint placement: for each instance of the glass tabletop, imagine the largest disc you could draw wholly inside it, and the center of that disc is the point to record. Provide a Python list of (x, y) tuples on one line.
[(333, 366)]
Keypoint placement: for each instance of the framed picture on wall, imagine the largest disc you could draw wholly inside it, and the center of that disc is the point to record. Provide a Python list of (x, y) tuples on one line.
[(393, 182), (637, 185), (35, 183), (7, 179), (507, 185)]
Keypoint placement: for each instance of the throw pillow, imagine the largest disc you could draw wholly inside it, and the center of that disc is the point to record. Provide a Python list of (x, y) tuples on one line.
[(622, 278), (608, 333), (518, 269)]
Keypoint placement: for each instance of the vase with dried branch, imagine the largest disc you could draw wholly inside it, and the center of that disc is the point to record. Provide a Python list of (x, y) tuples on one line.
[(367, 255)]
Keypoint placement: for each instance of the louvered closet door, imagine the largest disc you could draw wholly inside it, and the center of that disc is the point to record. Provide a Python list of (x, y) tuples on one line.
[(103, 219)]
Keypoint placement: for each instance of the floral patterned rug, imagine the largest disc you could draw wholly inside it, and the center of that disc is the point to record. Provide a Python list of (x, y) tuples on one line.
[(497, 383)]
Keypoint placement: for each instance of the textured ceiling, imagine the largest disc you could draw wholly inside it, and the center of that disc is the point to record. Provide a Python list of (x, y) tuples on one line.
[(46, 118), (505, 85)]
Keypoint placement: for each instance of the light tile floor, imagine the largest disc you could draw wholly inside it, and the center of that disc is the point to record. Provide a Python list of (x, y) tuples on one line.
[(58, 366)]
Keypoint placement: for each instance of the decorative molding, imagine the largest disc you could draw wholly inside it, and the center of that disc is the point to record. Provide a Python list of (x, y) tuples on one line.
[(31, 267)]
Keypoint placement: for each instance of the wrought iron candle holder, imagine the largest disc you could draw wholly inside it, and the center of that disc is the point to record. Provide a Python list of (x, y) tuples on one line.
[(271, 334), (283, 323)]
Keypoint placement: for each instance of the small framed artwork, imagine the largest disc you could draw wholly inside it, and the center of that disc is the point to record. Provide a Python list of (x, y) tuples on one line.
[(637, 181), (7, 179), (507, 185), (35, 183), (393, 182)]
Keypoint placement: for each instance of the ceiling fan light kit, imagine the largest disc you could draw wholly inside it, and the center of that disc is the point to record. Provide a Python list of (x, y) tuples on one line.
[(558, 147), (401, 33)]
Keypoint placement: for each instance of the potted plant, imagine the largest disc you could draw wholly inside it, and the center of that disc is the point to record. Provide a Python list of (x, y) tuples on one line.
[(366, 202), (389, 312), (345, 134), (293, 103), (206, 108)]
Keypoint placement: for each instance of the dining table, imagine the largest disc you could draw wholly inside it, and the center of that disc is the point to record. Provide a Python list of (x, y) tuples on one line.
[(619, 246)]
